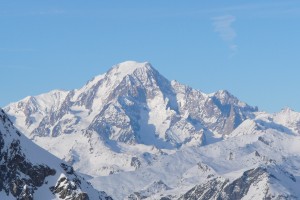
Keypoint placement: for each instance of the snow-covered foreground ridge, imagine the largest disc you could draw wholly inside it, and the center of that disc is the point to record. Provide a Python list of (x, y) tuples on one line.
[(138, 135), (30, 172)]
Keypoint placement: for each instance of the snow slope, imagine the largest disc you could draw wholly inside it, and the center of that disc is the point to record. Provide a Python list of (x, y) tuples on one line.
[(137, 135), (117, 118), (262, 165), (29, 172)]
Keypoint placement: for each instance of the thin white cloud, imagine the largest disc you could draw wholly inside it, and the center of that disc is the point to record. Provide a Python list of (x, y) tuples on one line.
[(223, 26)]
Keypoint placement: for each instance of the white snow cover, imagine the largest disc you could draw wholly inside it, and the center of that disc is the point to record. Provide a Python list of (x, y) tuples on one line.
[(132, 132), (38, 156), (229, 159), (36, 107)]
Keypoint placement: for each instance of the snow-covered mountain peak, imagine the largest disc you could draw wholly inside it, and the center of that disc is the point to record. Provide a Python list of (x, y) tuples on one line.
[(118, 72), (135, 127), (287, 114), (141, 71), (288, 118), (50, 99), (226, 97), (132, 103), (128, 67), (223, 94), (287, 110), (120, 79)]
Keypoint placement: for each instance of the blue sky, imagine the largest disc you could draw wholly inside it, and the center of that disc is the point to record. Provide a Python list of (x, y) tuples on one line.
[(251, 48)]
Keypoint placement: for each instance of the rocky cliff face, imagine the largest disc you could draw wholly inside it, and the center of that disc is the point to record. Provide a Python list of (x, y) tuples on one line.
[(140, 136), (132, 103), (253, 184), (28, 172)]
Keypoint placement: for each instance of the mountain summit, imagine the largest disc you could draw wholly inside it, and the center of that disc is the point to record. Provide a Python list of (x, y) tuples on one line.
[(137, 135), (131, 104), (131, 86)]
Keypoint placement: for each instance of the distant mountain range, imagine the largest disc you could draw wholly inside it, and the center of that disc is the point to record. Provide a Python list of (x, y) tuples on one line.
[(136, 135)]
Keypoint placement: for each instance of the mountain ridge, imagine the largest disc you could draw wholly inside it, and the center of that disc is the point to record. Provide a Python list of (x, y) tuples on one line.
[(131, 125), (132, 103), (29, 172)]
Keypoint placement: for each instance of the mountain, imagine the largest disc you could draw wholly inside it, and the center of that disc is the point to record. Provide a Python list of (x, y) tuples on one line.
[(127, 99), (130, 104), (29, 172), (257, 183), (136, 135), (262, 165)]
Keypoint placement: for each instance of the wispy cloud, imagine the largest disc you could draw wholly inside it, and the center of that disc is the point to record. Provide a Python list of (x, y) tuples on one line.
[(223, 26)]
